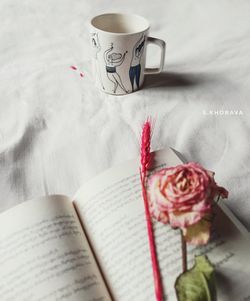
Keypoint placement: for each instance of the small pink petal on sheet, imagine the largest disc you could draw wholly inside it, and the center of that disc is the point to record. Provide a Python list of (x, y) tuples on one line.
[(76, 69)]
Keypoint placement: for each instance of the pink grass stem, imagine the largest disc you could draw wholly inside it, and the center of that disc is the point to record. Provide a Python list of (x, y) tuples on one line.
[(152, 247)]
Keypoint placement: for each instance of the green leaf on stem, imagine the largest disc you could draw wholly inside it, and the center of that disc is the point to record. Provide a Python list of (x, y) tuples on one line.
[(198, 283)]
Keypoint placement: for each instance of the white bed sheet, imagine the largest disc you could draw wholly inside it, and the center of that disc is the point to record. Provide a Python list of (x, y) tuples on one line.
[(57, 130)]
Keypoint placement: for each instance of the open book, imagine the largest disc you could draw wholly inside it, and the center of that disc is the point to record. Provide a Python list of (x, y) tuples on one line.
[(95, 247)]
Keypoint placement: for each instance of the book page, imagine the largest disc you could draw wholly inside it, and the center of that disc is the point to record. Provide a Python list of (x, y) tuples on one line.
[(44, 255), (112, 210)]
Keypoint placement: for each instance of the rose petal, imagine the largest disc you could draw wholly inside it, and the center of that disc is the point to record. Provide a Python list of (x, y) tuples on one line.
[(222, 192), (184, 219), (199, 233), (161, 216)]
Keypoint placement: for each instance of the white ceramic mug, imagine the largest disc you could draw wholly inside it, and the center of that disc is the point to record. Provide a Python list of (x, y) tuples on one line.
[(119, 52)]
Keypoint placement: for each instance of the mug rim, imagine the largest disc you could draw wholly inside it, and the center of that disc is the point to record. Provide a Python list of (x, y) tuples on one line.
[(120, 33)]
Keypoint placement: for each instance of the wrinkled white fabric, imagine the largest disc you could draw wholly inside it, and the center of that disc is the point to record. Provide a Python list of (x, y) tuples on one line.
[(57, 130)]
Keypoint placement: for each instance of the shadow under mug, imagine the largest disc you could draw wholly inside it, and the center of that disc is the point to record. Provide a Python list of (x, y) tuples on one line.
[(119, 44)]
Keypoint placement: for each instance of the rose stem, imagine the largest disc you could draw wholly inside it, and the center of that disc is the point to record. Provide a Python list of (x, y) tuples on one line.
[(184, 252)]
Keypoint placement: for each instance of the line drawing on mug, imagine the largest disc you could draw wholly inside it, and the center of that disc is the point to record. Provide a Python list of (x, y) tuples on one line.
[(96, 45), (113, 60), (135, 66)]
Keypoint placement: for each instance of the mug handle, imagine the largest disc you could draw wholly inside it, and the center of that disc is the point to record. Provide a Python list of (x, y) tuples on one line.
[(162, 45)]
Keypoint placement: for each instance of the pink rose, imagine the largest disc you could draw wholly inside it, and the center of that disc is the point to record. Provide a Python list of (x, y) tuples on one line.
[(182, 196)]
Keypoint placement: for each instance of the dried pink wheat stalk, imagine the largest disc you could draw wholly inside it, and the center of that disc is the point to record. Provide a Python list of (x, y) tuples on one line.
[(145, 163)]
